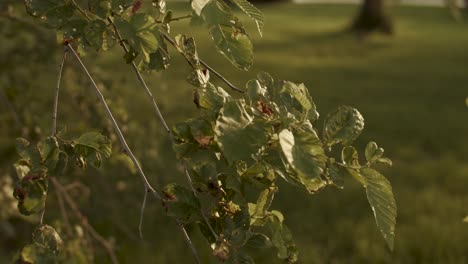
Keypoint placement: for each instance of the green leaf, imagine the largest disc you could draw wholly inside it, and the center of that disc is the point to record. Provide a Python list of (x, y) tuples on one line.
[(305, 155), (186, 46), (48, 239), (49, 150), (181, 203), (210, 97), (251, 11), (380, 196), (343, 126), (159, 60), (28, 254), (297, 97), (282, 239), (237, 134), (72, 30), (337, 174), (234, 44), (95, 34), (22, 168), (31, 193), (101, 8), (198, 5), (386, 161), (54, 12), (94, 141), (373, 152), (30, 154), (264, 201), (258, 240), (349, 156), (141, 33), (228, 34)]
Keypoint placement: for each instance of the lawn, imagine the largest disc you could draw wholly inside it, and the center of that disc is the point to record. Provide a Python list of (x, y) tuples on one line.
[(411, 89)]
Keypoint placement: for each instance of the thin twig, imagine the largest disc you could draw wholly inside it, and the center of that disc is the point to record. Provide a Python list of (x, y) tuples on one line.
[(116, 127), (142, 212), (54, 113), (187, 239), (84, 221), (80, 9), (176, 19), (221, 77), (57, 90), (142, 81), (161, 119), (128, 150)]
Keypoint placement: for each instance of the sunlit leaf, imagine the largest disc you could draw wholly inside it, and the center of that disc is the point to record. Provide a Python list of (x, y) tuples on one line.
[(94, 141), (373, 152), (31, 193), (304, 153), (380, 196), (198, 5), (47, 238), (228, 34), (343, 126), (349, 156), (252, 12), (237, 134)]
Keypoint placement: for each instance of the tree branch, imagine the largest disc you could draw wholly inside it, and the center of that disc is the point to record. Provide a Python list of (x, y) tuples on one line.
[(221, 77), (161, 118), (127, 149), (125, 146)]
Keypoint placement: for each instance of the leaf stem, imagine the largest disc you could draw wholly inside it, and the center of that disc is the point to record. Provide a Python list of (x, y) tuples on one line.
[(80, 9), (221, 77)]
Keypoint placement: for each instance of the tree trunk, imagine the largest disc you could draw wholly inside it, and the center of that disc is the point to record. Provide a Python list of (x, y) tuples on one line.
[(372, 17)]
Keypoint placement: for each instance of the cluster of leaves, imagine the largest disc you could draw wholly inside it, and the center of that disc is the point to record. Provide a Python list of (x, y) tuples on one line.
[(47, 158), (92, 28), (239, 147), (236, 150), (47, 246)]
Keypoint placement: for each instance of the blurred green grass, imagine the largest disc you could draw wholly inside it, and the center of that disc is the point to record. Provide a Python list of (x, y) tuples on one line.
[(411, 90)]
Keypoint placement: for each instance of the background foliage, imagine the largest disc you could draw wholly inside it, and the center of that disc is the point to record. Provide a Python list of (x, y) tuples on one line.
[(427, 145)]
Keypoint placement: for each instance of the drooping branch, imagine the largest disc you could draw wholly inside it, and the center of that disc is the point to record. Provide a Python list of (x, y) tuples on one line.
[(127, 149), (161, 119), (117, 129)]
